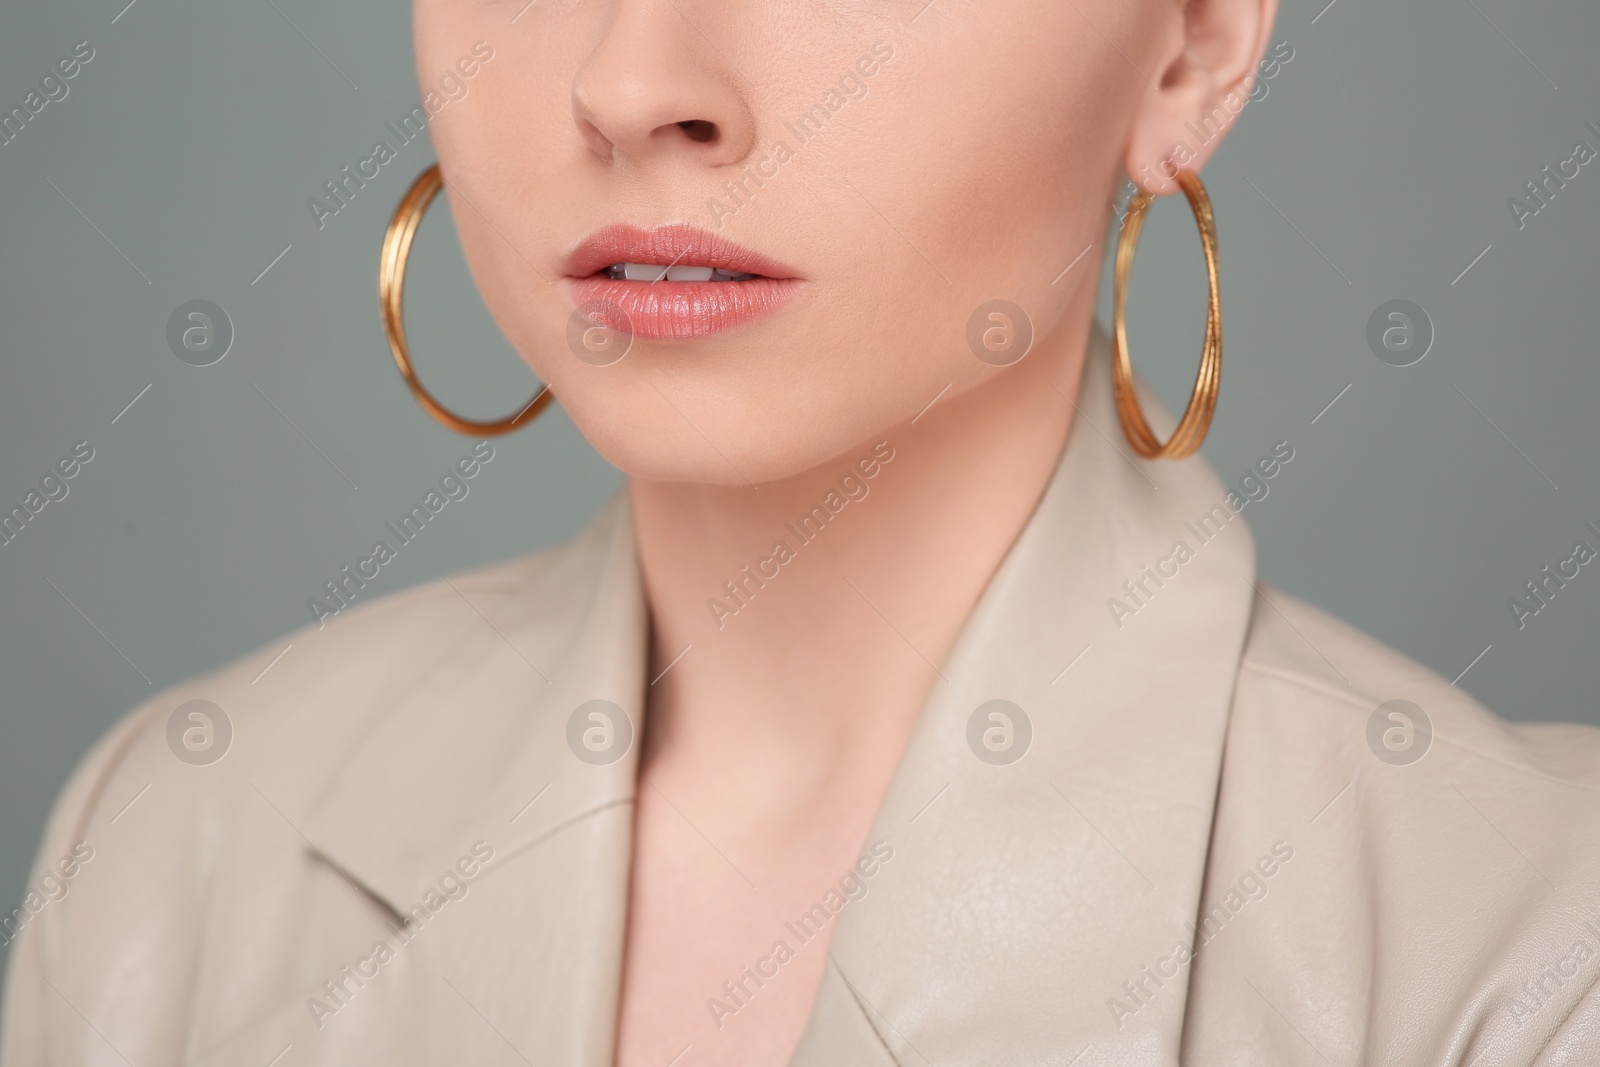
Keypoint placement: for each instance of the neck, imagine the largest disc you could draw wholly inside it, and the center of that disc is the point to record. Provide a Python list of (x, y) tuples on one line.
[(807, 664)]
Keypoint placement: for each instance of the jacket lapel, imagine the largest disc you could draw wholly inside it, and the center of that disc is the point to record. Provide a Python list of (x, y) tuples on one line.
[(473, 756), (1032, 909)]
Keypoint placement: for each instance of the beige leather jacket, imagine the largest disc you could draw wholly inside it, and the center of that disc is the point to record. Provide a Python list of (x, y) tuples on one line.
[(1208, 836)]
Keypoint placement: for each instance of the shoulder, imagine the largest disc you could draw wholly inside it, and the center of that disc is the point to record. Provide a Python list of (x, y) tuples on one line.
[(1302, 669), (193, 805), (1443, 891), (304, 697)]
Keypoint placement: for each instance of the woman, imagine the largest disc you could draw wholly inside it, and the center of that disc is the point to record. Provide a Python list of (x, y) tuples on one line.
[(898, 711)]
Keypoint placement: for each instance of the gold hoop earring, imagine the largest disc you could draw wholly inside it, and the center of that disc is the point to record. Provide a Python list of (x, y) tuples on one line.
[(391, 291), (1191, 429)]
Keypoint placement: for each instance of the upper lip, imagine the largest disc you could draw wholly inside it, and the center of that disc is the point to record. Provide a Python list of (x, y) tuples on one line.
[(676, 244)]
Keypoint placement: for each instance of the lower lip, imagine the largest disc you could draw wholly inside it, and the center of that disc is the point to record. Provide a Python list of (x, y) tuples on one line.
[(672, 311)]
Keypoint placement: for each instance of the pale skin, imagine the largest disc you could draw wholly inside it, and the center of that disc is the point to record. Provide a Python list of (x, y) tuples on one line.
[(978, 162)]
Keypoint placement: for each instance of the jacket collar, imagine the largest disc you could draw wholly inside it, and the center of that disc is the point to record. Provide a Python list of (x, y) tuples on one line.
[(1026, 900), (1023, 899)]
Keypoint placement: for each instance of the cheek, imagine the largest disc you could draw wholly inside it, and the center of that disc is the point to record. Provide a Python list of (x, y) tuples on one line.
[(966, 188)]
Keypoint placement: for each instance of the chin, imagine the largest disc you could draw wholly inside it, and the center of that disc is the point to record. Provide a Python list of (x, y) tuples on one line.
[(654, 441)]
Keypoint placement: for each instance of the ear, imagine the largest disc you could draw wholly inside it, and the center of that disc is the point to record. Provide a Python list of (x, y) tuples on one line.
[(1206, 76)]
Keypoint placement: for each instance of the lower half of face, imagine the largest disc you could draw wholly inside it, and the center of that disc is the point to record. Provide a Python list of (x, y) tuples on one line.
[(738, 239)]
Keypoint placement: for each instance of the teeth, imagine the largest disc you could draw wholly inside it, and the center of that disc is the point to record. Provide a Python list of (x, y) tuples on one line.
[(655, 272)]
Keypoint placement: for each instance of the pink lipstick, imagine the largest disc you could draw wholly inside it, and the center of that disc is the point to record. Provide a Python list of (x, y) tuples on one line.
[(674, 282)]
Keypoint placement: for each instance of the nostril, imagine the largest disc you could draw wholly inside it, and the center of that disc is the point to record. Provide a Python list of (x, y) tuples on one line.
[(699, 130)]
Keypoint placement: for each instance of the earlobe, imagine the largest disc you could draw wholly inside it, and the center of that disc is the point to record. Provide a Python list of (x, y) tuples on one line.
[(1201, 91), (1161, 145)]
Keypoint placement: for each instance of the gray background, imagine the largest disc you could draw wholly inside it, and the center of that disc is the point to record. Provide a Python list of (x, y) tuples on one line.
[(1377, 167)]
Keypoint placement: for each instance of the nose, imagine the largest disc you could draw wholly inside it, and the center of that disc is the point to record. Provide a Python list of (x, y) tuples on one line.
[(655, 88)]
